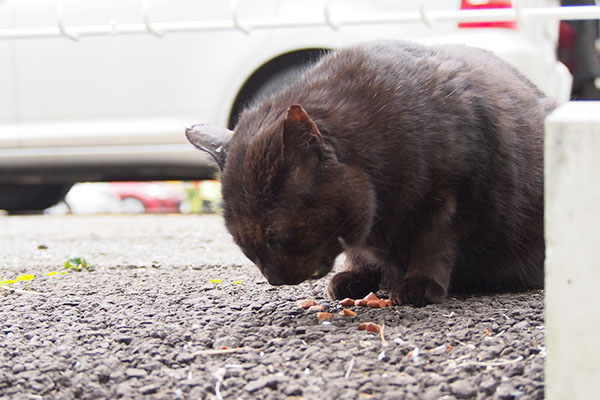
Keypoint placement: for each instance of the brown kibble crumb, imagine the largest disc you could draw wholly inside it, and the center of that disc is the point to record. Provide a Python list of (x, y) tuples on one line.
[(373, 304), (371, 296), (486, 332), (369, 327), (361, 302), (321, 316), (449, 347), (388, 302), (363, 326), (348, 313), (306, 303), (382, 303), (316, 307), (347, 302)]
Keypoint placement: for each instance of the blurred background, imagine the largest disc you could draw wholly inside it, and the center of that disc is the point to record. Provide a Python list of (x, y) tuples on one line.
[(95, 95)]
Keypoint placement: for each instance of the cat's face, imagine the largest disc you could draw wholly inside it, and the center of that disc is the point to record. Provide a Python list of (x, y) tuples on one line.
[(289, 243), (288, 203)]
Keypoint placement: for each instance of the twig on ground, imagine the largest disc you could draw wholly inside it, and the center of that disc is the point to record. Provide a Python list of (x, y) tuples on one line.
[(220, 374), (500, 363), (349, 369), (383, 341), (21, 291), (493, 363), (454, 361)]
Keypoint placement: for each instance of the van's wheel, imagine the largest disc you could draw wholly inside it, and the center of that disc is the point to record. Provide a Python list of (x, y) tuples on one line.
[(131, 205), (277, 81), (22, 198), (262, 89)]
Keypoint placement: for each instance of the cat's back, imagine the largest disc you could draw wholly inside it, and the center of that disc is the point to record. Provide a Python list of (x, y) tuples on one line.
[(393, 81), (417, 71), (392, 94)]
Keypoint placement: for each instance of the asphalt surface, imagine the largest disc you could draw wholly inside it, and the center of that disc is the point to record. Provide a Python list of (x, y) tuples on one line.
[(171, 309)]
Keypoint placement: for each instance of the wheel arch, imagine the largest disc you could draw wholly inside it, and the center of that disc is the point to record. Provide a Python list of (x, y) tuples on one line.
[(261, 75)]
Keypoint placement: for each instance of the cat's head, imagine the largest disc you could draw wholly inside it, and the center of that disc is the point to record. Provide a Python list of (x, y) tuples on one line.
[(289, 202)]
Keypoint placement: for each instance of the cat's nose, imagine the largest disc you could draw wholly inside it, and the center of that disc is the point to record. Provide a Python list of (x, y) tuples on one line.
[(272, 276), (275, 280), (280, 276)]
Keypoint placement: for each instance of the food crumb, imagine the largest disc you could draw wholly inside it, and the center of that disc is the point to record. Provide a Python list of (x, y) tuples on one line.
[(371, 296), (348, 312), (306, 303), (321, 316), (361, 302), (347, 302), (369, 327), (373, 304)]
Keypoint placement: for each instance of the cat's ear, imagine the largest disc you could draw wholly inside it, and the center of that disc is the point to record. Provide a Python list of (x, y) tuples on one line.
[(299, 130), (301, 146), (211, 139)]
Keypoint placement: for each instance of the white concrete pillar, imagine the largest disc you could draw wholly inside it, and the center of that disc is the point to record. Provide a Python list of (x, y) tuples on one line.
[(572, 229)]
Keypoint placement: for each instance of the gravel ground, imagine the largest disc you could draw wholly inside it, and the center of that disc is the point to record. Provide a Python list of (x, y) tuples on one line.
[(147, 322)]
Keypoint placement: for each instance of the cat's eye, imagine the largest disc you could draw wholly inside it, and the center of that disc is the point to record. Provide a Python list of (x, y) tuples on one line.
[(286, 244)]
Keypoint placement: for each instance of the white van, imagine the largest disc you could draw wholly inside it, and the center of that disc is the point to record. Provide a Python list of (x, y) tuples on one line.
[(97, 90)]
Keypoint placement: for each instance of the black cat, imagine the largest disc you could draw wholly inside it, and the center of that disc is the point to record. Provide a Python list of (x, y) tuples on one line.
[(423, 164)]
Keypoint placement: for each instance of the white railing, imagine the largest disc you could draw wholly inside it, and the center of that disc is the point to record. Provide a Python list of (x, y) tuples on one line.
[(327, 18)]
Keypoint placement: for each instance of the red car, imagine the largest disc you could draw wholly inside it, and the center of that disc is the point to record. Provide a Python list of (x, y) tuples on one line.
[(148, 197)]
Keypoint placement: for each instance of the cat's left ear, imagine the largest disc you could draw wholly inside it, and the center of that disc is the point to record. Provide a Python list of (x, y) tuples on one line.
[(211, 139), (299, 130), (302, 143)]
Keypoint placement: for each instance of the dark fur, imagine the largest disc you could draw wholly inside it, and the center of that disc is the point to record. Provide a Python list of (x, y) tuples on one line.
[(424, 164)]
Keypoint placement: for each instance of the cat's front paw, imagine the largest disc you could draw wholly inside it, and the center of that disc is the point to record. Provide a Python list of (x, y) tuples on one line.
[(418, 292), (348, 284)]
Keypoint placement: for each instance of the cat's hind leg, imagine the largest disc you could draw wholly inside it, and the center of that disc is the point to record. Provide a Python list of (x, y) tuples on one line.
[(432, 258)]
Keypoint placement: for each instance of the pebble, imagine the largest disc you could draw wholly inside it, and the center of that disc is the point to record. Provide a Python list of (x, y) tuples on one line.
[(521, 325), (126, 339), (505, 391), (293, 389), (185, 357), (124, 390), (432, 393), (396, 394), (135, 373), (488, 385), (270, 381), (102, 373), (16, 368), (149, 389), (463, 389)]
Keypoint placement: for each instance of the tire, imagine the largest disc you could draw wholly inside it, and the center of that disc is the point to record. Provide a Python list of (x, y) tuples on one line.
[(259, 90), (131, 205), (19, 199), (277, 81)]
